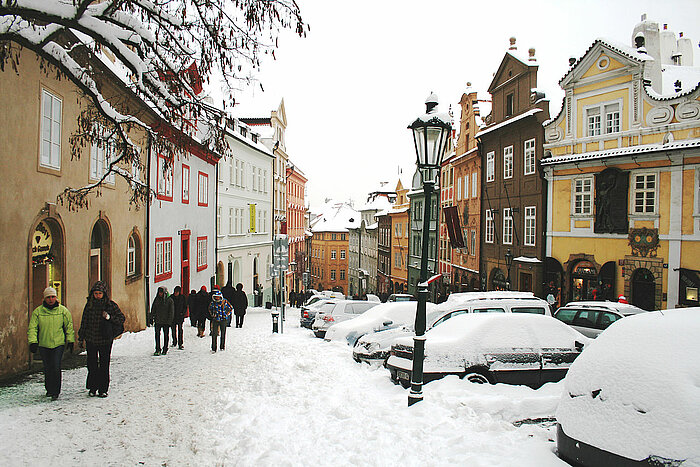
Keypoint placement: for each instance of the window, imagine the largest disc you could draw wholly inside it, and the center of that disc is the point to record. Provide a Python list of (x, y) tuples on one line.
[(219, 209), (203, 189), (459, 188), (133, 259), (612, 118), (490, 166), (332, 274), (165, 179), (472, 243), (645, 193), (509, 105), (593, 118), (466, 186), (164, 248), (185, 184), (489, 226), (507, 226), (50, 155), (101, 154), (530, 229), (342, 275), (333, 254), (231, 221), (333, 236), (201, 253), (474, 186), (508, 162), (342, 254), (583, 196), (529, 160)]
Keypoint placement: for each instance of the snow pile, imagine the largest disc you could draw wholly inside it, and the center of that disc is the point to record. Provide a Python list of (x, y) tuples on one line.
[(635, 391), (269, 399)]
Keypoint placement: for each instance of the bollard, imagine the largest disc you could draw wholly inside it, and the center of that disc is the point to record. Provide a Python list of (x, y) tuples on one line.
[(275, 321)]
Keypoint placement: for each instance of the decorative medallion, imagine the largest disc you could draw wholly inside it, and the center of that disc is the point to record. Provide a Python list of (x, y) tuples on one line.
[(644, 241)]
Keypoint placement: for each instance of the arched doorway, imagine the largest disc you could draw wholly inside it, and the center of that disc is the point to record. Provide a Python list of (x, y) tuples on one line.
[(606, 282), (643, 289), (100, 255), (257, 288), (220, 277), (584, 279), (46, 257), (553, 272)]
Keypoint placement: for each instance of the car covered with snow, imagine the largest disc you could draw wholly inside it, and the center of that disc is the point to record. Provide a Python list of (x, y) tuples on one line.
[(338, 311), (633, 397), (590, 318), (528, 349), (384, 316), (401, 297), (374, 348), (308, 311)]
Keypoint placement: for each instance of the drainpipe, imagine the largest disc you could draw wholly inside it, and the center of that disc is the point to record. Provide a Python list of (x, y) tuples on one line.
[(146, 267), (216, 226)]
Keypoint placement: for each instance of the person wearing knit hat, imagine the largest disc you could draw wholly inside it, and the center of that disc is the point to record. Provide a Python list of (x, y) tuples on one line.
[(202, 310), (100, 316), (50, 332), (220, 313)]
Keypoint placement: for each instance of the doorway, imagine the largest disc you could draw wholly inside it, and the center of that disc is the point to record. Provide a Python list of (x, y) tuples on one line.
[(46, 256), (185, 260), (583, 280), (643, 289), (99, 262)]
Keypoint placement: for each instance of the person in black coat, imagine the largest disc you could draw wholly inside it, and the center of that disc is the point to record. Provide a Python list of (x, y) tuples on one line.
[(179, 307), (240, 303), (202, 310), (228, 291), (191, 305)]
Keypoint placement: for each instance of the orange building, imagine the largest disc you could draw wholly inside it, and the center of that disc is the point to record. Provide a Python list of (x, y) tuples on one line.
[(399, 240), (328, 258), (296, 227)]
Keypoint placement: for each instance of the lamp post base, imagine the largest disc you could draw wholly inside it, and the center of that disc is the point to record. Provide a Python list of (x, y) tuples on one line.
[(414, 397)]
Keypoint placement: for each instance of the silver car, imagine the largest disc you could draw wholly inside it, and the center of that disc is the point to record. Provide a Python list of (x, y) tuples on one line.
[(341, 310), (590, 318)]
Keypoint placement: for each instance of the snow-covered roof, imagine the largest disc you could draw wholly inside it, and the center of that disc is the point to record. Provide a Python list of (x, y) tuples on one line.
[(526, 259), (380, 203), (617, 152), (336, 217), (625, 50), (507, 122), (687, 76)]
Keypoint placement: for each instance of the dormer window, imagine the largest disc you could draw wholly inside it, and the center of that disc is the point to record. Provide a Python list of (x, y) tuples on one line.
[(509, 105), (604, 117)]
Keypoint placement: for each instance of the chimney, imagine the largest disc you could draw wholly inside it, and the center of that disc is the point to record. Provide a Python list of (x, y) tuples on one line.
[(512, 44), (531, 53), (572, 60)]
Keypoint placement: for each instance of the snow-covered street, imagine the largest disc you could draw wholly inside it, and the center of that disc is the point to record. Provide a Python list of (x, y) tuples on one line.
[(269, 399)]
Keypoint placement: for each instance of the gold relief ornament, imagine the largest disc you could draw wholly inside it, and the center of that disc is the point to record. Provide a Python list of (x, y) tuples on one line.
[(644, 241)]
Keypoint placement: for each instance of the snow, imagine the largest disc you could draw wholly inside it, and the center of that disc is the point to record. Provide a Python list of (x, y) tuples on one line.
[(269, 399), (635, 390)]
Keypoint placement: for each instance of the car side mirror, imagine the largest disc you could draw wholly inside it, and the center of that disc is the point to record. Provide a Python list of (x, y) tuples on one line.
[(578, 345), (388, 322)]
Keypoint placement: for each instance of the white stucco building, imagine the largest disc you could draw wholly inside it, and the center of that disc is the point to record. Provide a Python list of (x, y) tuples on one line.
[(244, 212)]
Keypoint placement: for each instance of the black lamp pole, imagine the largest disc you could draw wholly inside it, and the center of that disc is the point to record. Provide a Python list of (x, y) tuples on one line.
[(430, 134), (509, 261)]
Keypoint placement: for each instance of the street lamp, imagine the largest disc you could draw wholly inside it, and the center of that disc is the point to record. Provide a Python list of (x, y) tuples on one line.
[(430, 134), (509, 261)]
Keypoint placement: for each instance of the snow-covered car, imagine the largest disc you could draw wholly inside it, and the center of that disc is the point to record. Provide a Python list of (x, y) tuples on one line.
[(590, 318), (401, 297), (384, 316), (308, 312), (338, 311), (632, 398), (526, 349), (375, 347)]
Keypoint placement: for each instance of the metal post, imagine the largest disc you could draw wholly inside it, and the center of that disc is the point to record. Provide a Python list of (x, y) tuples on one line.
[(416, 392), (282, 302)]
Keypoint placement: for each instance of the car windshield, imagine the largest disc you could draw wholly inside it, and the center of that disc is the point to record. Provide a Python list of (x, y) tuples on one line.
[(532, 310), (489, 310)]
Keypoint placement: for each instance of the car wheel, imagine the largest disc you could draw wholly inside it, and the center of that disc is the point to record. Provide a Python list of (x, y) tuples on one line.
[(476, 376), (320, 335)]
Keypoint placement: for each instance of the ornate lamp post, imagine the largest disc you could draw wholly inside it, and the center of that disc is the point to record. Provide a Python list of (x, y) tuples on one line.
[(431, 132), (509, 261)]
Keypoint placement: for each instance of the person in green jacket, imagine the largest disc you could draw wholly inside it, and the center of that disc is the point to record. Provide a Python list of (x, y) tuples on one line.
[(50, 331)]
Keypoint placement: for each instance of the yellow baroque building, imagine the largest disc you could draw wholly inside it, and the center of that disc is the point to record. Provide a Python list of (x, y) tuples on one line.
[(622, 164)]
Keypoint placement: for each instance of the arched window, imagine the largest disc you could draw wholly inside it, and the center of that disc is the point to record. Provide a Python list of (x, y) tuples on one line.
[(133, 256)]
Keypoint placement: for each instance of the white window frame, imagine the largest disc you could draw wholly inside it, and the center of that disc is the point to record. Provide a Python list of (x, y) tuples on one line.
[(201, 253), (491, 166), (472, 243), (342, 254), (164, 185), (465, 180), (185, 184), (202, 189), (507, 226), (475, 185), (596, 118), (164, 251), (529, 157), (50, 136), (459, 188), (645, 191), (489, 234), (131, 256), (609, 111), (231, 219), (583, 195), (530, 225), (508, 162), (101, 154)]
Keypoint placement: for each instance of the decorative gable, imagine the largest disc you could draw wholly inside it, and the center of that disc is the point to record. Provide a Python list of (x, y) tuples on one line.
[(509, 68)]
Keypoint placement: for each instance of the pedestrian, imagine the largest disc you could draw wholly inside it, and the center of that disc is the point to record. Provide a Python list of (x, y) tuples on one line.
[(50, 332), (162, 313), (292, 298), (227, 291), (219, 312), (100, 314), (179, 309), (240, 304), (202, 310), (622, 299), (191, 305)]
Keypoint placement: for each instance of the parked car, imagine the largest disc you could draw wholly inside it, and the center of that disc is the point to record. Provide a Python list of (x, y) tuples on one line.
[(375, 347), (382, 317), (401, 297), (308, 311), (590, 318), (632, 397), (373, 298), (337, 311), (492, 348)]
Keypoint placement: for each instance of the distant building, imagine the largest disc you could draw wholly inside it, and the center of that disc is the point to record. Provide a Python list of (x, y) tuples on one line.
[(296, 227), (329, 246), (399, 216)]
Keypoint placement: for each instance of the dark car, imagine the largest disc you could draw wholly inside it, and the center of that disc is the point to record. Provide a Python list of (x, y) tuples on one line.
[(511, 348)]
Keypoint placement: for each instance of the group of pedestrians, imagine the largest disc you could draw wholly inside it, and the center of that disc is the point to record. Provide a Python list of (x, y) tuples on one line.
[(168, 313), (51, 331)]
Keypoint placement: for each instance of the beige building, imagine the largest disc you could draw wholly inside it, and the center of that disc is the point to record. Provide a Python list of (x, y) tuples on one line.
[(48, 244)]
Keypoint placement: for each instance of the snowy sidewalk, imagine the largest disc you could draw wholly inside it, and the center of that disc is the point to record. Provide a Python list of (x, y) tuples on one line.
[(288, 399)]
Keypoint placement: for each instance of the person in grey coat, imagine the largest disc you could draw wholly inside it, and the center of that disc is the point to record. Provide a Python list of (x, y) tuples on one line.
[(162, 314)]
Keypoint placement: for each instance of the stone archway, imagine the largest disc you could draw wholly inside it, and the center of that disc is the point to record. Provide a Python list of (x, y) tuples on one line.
[(47, 260), (655, 267), (100, 254)]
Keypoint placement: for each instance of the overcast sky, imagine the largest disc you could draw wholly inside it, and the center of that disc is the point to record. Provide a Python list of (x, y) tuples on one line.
[(363, 72)]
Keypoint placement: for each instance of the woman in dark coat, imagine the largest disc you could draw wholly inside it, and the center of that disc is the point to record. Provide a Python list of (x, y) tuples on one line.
[(202, 310), (240, 303), (191, 304), (99, 314), (180, 307)]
